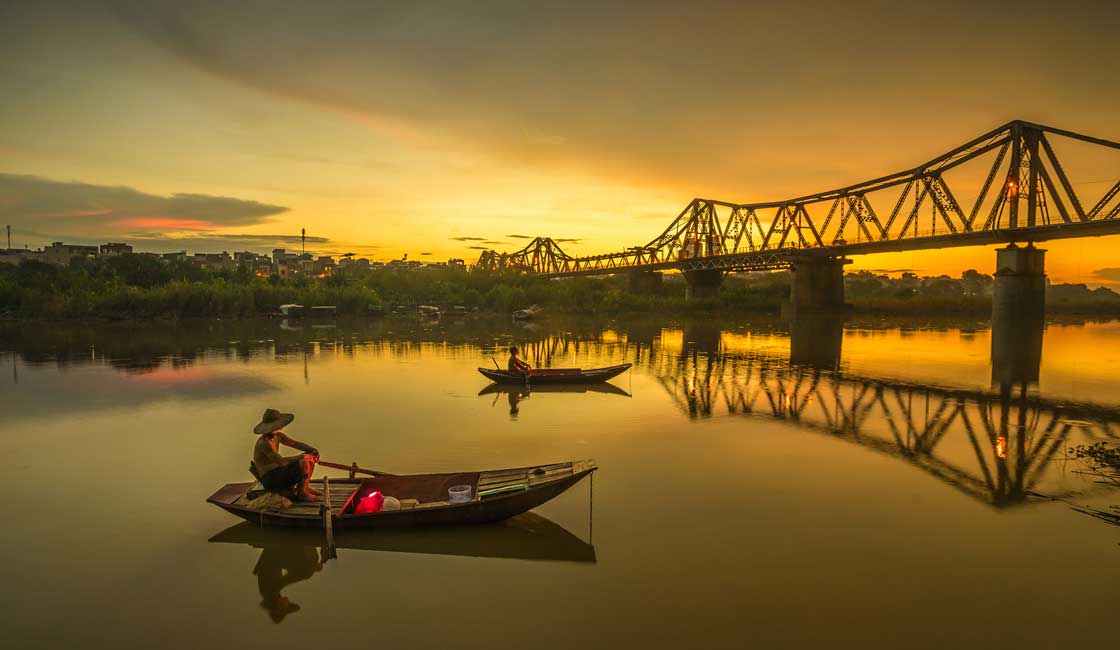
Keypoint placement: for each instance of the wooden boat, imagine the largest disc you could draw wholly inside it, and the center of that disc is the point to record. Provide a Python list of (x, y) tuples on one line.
[(527, 536), (555, 375), (497, 495)]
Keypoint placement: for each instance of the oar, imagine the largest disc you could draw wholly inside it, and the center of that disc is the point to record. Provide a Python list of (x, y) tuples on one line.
[(496, 363), (330, 551), (354, 469)]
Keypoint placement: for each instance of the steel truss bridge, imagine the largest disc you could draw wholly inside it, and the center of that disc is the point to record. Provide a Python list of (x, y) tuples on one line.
[(1026, 196), (997, 446)]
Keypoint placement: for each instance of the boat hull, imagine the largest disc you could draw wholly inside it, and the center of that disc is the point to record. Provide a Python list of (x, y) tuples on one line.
[(491, 509), (557, 376)]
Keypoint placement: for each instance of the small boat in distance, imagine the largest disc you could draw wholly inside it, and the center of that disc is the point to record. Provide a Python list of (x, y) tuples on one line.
[(555, 375), (495, 495), (529, 313), (292, 310)]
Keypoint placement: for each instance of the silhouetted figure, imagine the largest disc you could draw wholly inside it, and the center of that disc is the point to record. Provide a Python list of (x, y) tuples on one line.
[(516, 365)]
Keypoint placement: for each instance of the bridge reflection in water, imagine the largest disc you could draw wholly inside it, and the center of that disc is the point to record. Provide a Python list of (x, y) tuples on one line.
[(998, 445)]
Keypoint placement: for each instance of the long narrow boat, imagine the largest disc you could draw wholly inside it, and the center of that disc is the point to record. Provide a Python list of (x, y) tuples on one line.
[(601, 387), (496, 495), (555, 375)]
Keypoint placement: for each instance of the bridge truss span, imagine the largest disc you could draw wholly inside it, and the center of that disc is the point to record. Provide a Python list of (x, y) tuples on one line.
[(1007, 185)]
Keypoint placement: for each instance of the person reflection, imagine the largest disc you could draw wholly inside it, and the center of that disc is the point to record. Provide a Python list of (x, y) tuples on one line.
[(279, 567), (516, 396)]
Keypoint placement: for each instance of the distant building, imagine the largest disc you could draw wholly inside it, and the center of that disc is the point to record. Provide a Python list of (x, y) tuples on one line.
[(174, 257), (323, 266), (456, 263), (61, 254), (214, 261), (115, 249)]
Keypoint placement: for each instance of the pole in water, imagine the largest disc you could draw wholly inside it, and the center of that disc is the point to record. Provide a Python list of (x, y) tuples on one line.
[(591, 510)]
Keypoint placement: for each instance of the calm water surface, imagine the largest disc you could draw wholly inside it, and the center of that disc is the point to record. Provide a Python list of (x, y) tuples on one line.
[(879, 492)]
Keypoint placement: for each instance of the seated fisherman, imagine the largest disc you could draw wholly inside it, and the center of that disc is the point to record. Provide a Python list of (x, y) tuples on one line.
[(283, 474), (516, 365)]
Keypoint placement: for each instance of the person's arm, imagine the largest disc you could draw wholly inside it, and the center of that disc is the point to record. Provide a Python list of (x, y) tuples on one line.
[(295, 444)]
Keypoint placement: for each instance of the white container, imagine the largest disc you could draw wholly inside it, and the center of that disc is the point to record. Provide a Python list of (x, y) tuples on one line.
[(459, 494)]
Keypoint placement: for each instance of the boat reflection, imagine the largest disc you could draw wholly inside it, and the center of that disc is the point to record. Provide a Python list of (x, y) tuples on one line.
[(604, 388), (291, 556), (517, 393)]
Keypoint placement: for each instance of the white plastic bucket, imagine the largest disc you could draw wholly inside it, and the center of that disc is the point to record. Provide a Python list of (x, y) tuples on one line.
[(459, 494)]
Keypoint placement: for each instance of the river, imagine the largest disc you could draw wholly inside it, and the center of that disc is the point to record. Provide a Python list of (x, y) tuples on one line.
[(879, 489)]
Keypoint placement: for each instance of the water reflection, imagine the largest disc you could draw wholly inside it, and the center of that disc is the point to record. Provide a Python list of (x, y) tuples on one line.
[(291, 556), (518, 393), (280, 566), (997, 442)]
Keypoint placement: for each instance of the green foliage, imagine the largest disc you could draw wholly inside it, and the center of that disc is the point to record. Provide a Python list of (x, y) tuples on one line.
[(134, 286), (144, 286)]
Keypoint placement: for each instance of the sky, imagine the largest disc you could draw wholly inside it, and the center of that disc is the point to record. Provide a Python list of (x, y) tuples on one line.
[(438, 129)]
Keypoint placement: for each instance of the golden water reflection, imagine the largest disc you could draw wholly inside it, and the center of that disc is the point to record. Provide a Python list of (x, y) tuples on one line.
[(879, 472)]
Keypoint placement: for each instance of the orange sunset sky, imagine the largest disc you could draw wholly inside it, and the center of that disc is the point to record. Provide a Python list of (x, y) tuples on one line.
[(437, 129)]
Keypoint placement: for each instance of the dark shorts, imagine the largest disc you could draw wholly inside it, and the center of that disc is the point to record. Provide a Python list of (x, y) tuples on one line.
[(283, 478)]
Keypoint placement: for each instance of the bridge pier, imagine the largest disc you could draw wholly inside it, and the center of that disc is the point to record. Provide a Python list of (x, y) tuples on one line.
[(645, 282), (703, 283), (1018, 314), (817, 290)]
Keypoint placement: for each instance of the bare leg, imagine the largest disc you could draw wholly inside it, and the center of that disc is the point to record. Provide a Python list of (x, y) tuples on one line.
[(305, 490)]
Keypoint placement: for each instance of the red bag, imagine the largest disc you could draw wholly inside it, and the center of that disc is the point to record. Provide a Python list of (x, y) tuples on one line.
[(370, 503)]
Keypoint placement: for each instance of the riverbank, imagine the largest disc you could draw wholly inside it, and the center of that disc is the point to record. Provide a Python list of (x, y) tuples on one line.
[(115, 290)]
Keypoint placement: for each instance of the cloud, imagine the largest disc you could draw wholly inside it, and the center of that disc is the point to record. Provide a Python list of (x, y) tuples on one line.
[(1107, 274), (479, 248), (468, 238), (572, 240), (82, 210), (425, 253), (214, 241), (520, 236)]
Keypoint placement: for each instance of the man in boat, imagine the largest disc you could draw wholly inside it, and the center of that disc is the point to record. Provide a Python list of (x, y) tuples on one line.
[(516, 365), (283, 474)]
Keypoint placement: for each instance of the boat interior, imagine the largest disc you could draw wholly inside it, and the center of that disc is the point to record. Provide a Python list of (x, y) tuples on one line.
[(415, 490)]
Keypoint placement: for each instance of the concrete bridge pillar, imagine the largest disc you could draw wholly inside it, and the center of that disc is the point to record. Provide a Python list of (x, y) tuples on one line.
[(645, 282), (1018, 314), (703, 283), (818, 289)]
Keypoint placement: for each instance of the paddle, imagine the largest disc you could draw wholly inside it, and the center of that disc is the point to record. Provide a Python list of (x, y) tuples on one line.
[(496, 363), (354, 469), (330, 551)]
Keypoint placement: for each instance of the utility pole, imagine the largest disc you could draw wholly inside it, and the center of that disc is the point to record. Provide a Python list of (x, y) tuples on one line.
[(303, 241), (9, 236)]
